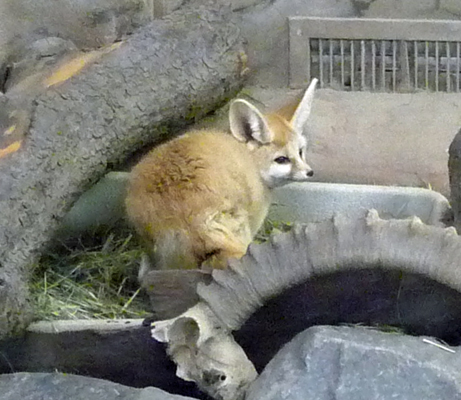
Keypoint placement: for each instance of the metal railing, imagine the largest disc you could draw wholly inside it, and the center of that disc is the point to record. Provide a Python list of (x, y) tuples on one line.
[(376, 54)]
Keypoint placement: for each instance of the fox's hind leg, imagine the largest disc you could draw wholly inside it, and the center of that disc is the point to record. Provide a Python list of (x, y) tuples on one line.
[(218, 258), (172, 250), (226, 235)]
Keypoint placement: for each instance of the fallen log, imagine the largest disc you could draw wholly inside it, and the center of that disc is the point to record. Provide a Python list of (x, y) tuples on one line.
[(162, 77)]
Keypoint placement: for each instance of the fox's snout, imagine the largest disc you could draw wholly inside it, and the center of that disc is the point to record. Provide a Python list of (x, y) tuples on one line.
[(193, 203), (302, 174)]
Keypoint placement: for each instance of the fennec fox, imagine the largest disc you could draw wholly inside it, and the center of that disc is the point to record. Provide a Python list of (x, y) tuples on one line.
[(201, 197)]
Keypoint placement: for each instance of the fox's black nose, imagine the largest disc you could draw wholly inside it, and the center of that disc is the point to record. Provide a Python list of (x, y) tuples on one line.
[(310, 173)]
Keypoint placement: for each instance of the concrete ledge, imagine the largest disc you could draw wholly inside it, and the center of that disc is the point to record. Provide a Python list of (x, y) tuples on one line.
[(99, 325), (100, 206), (315, 202)]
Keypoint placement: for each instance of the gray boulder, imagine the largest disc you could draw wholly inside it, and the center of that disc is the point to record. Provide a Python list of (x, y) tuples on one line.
[(346, 363), (57, 386)]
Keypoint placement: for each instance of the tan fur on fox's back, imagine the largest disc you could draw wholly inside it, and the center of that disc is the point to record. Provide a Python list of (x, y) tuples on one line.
[(203, 196), (197, 185)]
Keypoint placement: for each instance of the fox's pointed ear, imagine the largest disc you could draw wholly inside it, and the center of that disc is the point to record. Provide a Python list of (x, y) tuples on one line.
[(248, 123), (303, 111)]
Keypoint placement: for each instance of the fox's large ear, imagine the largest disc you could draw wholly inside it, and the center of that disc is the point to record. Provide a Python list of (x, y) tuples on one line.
[(248, 123), (303, 111)]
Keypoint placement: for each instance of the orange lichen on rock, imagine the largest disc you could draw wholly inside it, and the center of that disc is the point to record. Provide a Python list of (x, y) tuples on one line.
[(72, 67), (12, 148)]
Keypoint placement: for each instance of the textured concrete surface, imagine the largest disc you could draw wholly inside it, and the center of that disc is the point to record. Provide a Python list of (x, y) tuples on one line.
[(314, 202), (424, 9), (379, 138), (265, 28)]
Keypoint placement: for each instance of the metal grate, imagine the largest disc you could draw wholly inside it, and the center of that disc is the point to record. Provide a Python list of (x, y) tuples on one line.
[(376, 54)]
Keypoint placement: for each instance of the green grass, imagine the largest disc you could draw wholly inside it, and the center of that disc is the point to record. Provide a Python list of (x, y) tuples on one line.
[(81, 282), (96, 277), (271, 227)]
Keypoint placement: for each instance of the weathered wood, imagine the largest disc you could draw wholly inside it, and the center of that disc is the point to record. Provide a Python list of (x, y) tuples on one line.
[(163, 77)]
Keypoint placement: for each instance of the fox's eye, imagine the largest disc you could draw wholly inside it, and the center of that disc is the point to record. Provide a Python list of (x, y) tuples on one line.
[(301, 153), (282, 160)]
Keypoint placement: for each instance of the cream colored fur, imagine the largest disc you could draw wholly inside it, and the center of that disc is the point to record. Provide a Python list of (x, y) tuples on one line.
[(201, 198)]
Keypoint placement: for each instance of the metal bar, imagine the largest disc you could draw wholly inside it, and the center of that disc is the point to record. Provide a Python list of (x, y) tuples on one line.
[(436, 65), (341, 44), (373, 65), (394, 64), (331, 62), (426, 83), (381, 28), (404, 64), (447, 48), (425, 33), (352, 66), (321, 62), (415, 45), (383, 65), (362, 64), (457, 65)]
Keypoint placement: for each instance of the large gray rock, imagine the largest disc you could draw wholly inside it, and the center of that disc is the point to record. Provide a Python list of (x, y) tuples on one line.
[(325, 363), (57, 386)]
